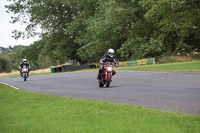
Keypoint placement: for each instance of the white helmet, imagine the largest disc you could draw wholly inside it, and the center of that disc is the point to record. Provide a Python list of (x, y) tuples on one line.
[(24, 60), (111, 52)]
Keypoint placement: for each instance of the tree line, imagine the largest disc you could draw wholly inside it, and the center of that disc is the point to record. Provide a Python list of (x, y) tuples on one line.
[(85, 29), (6, 63)]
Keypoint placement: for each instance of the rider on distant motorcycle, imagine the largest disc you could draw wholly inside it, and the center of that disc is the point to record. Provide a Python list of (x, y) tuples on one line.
[(109, 57), (24, 62)]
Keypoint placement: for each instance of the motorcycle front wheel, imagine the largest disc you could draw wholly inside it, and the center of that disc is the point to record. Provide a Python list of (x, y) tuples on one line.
[(25, 76), (108, 80)]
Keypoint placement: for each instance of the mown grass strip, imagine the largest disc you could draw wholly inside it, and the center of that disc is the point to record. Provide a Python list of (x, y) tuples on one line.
[(46, 73), (193, 66), (23, 112), (31, 74)]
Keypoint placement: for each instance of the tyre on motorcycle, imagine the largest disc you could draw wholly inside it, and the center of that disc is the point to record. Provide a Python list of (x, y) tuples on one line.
[(100, 83), (108, 80)]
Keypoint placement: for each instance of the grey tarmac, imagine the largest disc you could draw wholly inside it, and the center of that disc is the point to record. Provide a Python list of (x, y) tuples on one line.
[(166, 91)]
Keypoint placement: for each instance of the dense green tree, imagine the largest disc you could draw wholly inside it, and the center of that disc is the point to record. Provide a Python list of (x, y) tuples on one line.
[(163, 27), (174, 21), (51, 16), (5, 63), (11, 49), (85, 29), (108, 28)]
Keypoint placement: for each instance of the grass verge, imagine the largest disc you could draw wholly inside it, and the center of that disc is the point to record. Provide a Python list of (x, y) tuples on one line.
[(35, 73), (23, 112), (193, 66)]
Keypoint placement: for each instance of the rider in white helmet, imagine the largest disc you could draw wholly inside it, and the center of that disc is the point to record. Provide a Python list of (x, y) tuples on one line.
[(109, 57), (24, 62)]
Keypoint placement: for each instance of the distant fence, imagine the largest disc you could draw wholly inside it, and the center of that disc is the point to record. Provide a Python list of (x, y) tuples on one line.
[(68, 68), (138, 62)]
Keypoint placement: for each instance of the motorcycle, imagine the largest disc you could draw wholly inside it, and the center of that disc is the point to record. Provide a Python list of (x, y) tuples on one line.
[(106, 76), (24, 71)]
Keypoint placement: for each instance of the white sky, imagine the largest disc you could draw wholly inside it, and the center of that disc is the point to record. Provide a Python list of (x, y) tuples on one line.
[(6, 29)]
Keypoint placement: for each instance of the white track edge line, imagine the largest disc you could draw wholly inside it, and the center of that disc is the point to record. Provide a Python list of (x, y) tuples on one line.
[(10, 86)]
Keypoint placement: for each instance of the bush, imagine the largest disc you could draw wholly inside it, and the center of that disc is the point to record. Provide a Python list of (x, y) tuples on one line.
[(172, 59), (196, 56), (33, 66), (5, 64)]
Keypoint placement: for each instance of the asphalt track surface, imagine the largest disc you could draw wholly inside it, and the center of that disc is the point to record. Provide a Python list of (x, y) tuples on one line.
[(167, 91)]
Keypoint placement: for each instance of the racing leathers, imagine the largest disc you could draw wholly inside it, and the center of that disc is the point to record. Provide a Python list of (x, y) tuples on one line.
[(107, 58), (24, 64)]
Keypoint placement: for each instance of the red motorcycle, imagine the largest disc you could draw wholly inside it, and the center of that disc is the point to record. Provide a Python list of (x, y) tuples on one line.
[(24, 71), (106, 76)]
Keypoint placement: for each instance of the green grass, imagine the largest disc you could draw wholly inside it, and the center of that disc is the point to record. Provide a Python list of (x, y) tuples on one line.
[(24, 112), (31, 74), (47, 73), (193, 66)]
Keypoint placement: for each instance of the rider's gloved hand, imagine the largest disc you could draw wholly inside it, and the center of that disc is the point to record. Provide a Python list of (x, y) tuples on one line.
[(116, 65)]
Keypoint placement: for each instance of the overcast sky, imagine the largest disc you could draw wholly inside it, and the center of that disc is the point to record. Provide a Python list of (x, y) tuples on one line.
[(6, 29)]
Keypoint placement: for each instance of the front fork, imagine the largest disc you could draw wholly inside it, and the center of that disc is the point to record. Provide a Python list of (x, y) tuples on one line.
[(25, 74), (103, 79), (106, 75)]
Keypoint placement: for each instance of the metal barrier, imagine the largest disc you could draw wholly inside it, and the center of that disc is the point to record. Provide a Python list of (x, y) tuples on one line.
[(138, 62), (68, 68)]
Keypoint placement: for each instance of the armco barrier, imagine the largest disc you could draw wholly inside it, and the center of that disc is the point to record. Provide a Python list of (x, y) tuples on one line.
[(58, 69), (67, 68), (132, 63), (150, 61)]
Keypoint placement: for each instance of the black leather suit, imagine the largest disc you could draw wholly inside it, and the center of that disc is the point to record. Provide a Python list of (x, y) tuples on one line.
[(21, 66), (107, 58)]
